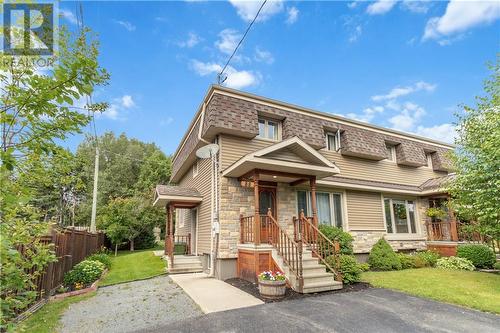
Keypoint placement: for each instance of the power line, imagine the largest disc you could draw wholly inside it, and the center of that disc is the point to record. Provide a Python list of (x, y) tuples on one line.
[(219, 76)]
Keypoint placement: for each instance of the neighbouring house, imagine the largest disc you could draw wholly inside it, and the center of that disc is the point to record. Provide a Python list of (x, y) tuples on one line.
[(280, 171)]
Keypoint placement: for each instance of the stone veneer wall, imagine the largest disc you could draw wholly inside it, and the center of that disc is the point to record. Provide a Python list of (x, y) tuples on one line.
[(234, 200), (287, 206)]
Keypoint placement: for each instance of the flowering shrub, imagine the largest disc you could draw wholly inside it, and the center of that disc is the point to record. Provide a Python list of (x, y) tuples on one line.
[(272, 276), (83, 274), (455, 263)]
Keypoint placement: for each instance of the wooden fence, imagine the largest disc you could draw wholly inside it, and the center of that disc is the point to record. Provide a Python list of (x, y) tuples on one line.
[(71, 247)]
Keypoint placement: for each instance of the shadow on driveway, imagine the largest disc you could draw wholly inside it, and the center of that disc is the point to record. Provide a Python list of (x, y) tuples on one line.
[(372, 310)]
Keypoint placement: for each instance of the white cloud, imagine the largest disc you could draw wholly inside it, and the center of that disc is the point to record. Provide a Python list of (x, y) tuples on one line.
[(355, 34), (112, 112), (367, 115), (293, 15), (248, 9), (408, 118), (352, 5), (127, 25), (127, 101), (68, 15), (235, 79), (414, 6), (228, 39), (460, 16), (402, 91), (380, 7), (191, 41), (443, 132), (263, 56)]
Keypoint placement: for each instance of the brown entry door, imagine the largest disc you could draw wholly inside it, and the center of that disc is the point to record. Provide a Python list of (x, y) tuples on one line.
[(267, 199)]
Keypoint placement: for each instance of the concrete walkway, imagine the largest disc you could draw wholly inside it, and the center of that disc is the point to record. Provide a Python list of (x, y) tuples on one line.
[(213, 295)]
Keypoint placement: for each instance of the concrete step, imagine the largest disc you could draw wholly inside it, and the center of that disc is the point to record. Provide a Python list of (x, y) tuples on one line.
[(313, 269), (316, 287), (184, 270)]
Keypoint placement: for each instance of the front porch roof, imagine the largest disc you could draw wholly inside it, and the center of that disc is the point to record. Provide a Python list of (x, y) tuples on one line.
[(179, 197), (305, 161)]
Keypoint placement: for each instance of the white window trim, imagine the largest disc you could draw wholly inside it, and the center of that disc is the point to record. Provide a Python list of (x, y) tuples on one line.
[(266, 126), (428, 158), (393, 153), (195, 168), (332, 206), (336, 141), (402, 236)]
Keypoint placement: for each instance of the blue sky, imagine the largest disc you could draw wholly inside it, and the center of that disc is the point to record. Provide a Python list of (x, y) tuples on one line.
[(404, 65)]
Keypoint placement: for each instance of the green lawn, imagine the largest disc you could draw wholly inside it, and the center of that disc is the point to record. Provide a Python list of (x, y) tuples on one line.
[(46, 320), (471, 289), (130, 266)]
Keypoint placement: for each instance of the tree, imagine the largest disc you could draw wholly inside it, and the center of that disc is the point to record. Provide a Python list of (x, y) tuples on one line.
[(36, 109), (475, 189), (155, 170), (54, 183), (123, 219), (37, 105)]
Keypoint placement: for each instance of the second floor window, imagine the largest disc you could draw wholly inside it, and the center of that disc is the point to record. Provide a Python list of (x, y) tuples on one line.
[(391, 153), (333, 141), (268, 129)]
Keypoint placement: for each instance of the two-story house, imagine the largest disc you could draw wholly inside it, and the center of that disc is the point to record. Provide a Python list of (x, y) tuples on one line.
[(279, 172)]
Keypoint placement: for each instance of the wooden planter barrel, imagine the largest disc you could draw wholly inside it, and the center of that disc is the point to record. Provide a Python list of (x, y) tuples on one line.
[(272, 289)]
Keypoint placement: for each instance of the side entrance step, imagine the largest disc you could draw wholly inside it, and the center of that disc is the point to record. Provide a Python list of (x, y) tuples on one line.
[(184, 264)]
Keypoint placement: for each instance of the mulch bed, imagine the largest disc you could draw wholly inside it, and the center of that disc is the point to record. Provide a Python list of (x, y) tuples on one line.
[(253, 289)]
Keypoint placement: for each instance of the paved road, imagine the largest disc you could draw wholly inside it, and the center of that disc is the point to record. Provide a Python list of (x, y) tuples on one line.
[(130, 306), (371, 310)]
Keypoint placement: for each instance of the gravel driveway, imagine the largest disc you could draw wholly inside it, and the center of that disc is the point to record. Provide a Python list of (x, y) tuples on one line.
[(130, 306)]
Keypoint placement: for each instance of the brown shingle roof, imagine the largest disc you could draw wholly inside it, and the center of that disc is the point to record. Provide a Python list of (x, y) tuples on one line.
[(436, 183)]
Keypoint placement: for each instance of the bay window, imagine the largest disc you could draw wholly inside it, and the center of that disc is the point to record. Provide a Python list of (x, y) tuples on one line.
[(328, 205), (400, 216)]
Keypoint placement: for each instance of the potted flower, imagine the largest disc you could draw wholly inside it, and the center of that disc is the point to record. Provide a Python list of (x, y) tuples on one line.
[(272, 284)]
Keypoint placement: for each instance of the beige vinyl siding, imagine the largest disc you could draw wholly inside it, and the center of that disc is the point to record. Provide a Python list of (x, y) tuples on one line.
[(364, 210), (286, 155), (383, 171), (234, 148), (183, 221), (202, 183)]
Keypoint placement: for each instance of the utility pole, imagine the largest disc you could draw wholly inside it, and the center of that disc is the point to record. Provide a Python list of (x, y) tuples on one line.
[(94, 196)]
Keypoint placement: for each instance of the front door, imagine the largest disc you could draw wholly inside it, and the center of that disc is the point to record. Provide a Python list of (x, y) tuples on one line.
[(267, 199)]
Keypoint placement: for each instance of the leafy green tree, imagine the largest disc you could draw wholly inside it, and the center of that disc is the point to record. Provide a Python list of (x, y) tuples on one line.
[(37, 105), (55, 184), (37, 108), (476, 187), (123, 219), (155, 170)]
